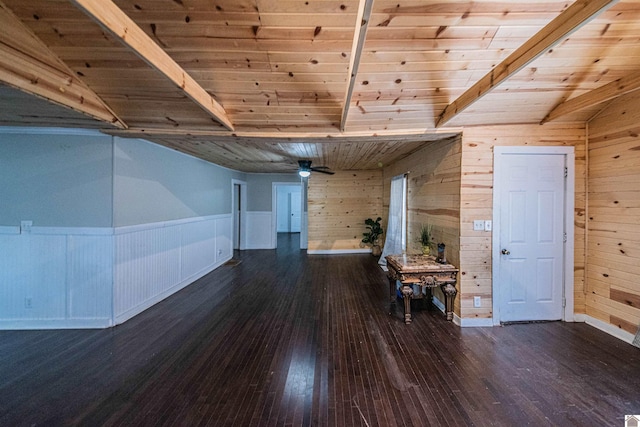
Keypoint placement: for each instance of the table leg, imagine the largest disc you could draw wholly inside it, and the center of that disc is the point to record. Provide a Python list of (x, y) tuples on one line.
[(449, 292), (407, 291)]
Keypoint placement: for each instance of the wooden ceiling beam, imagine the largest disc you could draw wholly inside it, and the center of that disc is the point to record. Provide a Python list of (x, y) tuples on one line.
[(359, 36), (115, 21), (604, 93), (413, 134), (575, 16), (27, 64)]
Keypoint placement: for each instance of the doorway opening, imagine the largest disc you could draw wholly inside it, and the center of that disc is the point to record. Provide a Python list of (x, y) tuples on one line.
[(289, 211)]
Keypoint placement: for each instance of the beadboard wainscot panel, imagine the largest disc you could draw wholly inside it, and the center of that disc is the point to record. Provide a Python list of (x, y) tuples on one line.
[(224, 243), (198, 246), (259, 230), (153, 261), (476, 202), (90, 277), (613, 249), (433, 197), (55, 278), (338, 205)]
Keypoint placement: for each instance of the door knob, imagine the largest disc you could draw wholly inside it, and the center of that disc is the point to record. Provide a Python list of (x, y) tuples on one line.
[(505, 252)]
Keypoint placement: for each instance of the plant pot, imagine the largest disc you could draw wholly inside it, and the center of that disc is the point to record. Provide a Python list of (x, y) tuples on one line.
[(426, 250), (376, 250)]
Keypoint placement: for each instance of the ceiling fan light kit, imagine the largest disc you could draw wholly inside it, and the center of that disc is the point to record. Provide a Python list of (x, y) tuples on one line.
[(304, 169)]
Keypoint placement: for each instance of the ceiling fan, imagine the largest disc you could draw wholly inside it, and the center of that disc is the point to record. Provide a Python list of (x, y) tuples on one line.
[(305, 169)]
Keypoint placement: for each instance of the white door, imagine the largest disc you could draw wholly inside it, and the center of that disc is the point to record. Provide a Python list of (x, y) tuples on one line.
[(295, 203), (531, 237)]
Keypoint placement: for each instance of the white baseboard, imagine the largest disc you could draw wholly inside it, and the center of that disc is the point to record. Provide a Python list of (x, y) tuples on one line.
[(606, 327), (473, 322), (439, 304), (337, 251), (580, 318), (470, 322), (38, 324)]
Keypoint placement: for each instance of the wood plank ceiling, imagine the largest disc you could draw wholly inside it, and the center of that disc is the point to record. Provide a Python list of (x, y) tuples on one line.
[(255, 85)]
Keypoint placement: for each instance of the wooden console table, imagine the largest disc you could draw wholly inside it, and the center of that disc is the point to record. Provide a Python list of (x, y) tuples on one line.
[(425, 272)]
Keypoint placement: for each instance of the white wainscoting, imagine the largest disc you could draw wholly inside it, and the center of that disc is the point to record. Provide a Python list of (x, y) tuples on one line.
[(260, 230), (57, 278), (156, 260)]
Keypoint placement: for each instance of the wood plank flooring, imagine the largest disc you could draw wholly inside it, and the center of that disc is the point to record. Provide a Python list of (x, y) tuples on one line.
[(286, 339)]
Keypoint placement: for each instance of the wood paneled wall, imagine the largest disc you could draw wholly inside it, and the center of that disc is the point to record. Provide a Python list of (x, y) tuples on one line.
[(476, 202), (613, 251), (433, 195), (339, 204), (450, 185)]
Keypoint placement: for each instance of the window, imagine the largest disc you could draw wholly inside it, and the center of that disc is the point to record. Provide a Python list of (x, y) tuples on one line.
[(396, 236)]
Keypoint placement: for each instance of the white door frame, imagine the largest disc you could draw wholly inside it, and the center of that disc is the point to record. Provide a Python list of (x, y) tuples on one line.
[(568, 261), (243, 212), (274, 213)]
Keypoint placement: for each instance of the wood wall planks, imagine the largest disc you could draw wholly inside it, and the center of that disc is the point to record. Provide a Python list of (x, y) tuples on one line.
[(476, 202), (613, 255), (339, 204), (433, 196), (450, 185)]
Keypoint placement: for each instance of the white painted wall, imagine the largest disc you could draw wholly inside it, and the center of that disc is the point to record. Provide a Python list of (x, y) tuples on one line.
[(153, 184), (260, 189), (118, 225), (55, 177)]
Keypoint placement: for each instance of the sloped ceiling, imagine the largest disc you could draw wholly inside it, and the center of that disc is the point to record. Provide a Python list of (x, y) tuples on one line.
[(255, 85)]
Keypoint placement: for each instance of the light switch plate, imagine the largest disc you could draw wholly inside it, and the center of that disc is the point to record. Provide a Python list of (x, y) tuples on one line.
[(478, 225), (476, 302), (487, 225)]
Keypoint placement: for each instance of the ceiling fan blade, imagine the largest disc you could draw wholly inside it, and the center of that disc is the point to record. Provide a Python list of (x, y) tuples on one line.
[(323, 170), (305, 165)]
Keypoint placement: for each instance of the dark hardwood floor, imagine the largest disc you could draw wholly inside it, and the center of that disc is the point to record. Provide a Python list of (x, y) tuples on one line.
[(288, 339)]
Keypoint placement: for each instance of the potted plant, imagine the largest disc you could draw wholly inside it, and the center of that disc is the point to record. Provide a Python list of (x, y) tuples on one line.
[(425, 238), (372, 236)]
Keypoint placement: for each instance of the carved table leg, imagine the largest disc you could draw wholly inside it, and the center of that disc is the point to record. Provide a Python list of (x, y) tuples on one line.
[(407, 291), (450, 293)]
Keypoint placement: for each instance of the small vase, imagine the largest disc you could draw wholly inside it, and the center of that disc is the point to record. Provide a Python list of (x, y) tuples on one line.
[(426, 250)]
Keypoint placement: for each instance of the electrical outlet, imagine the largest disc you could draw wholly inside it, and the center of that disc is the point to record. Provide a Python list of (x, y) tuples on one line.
[(487, 225), (25, 227), (478, 225), (476, 302), (28, 303)]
